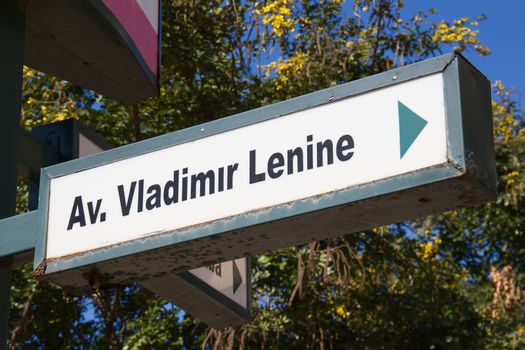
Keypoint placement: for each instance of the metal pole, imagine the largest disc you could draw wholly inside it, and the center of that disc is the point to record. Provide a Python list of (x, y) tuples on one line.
[(12, 30)]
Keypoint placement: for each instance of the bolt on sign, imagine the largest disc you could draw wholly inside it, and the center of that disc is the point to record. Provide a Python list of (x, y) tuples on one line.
[(110, 46), (395, 146)]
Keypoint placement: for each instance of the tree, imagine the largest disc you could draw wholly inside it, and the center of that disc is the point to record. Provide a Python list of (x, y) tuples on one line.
[(449, 281)]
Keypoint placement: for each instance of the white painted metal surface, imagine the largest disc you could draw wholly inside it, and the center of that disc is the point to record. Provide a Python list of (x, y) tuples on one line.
[(151, 11), (87, 147), (135, 198), (229, 278)]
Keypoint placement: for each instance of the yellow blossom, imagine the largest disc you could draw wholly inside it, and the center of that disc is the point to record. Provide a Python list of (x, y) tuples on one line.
[(460, 34), (278, 13), (340, 310), (286, 69), (429, 249), (285, 11)]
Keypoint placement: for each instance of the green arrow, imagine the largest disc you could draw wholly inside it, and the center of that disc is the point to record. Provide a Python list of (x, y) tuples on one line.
[(410, 126), (237, 279)]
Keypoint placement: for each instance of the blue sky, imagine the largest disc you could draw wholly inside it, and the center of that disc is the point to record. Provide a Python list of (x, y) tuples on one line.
[(503, 32)]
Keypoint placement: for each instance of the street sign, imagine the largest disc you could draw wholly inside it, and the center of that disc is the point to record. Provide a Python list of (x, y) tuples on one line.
[(399, 145), (222, 290), (218, 294), (110, 46)]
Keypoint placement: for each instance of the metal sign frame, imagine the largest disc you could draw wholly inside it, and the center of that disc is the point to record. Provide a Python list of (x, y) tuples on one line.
[(468, 177)]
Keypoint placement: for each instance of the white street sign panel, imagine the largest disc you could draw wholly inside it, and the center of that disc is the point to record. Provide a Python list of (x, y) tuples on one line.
[(300, 155), (391, 147), (218, 294), (229, 278)]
